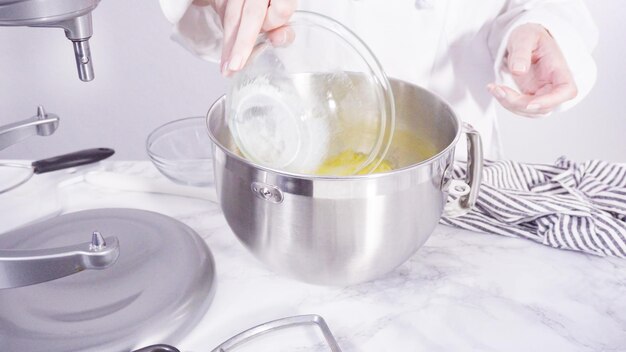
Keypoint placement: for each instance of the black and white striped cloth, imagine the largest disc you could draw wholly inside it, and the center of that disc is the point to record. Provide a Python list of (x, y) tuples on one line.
[(574, 206)]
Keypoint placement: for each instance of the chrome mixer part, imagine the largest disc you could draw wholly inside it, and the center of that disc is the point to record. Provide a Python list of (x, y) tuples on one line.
[(28, 267), (83, 60), (42, 124), (74, 16)]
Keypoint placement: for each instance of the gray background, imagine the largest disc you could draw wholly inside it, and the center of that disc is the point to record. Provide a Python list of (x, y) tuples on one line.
[(143, 80)]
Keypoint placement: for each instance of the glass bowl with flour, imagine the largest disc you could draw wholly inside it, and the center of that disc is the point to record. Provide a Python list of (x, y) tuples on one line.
[(319, 103)]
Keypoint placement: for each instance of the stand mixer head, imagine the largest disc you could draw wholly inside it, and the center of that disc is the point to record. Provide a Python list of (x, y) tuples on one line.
[(74, 16)]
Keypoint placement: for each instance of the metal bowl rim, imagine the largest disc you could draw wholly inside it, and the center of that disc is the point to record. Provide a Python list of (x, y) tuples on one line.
[(287, 174)]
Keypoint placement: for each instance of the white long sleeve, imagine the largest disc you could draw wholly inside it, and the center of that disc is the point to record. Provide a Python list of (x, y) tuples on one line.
[(569, 23), (197, 28), (447, 46)]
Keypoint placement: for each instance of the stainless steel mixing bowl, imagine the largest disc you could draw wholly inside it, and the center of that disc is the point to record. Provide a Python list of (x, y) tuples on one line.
[(345, 230)]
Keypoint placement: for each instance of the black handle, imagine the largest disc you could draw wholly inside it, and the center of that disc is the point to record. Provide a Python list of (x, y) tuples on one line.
[(66, 161)]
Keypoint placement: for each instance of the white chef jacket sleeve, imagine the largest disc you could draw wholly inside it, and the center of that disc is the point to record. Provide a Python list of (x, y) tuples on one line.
[(570, 24), (197, 28)]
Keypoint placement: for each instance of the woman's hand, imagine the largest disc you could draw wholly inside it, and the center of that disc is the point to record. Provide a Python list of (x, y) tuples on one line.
[(243, 20), (540, 71)]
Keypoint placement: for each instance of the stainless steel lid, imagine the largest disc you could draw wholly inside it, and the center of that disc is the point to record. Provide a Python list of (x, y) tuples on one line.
[(159, 288)]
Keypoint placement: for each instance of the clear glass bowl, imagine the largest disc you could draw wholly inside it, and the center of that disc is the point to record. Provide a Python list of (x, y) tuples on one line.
[(320, 104), (181, 151)]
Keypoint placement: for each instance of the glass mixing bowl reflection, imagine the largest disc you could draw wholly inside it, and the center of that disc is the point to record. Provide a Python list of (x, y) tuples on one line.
[(322, 96), (181, 151)]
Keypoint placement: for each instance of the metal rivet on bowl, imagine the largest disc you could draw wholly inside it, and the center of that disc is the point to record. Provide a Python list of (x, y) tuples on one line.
[(267, 192), (458, 188)]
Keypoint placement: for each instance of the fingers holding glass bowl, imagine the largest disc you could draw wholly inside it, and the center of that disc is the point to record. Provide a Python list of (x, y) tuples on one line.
[(243, 21)]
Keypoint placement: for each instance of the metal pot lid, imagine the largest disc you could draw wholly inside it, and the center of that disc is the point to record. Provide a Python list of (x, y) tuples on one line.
[(159, 288)]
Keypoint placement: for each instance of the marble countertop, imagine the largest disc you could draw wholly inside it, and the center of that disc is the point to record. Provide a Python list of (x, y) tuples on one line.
[(462, 291)]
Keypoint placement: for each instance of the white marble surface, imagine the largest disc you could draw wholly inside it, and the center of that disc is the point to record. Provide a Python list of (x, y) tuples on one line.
[(462, 291)]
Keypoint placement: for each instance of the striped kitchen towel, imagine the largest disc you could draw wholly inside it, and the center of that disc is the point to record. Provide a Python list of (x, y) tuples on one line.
[(574, 206)]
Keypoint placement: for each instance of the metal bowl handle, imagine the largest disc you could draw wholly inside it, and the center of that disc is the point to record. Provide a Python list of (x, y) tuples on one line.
[(310, 319), (465, 193)]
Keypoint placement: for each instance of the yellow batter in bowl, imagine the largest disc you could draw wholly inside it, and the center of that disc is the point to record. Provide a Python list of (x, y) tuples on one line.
[(347, 162), (406, 149)]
